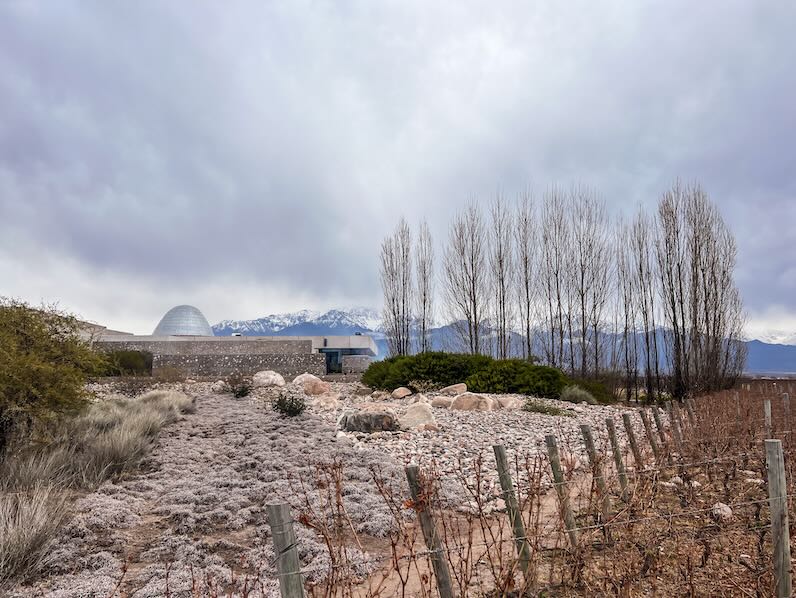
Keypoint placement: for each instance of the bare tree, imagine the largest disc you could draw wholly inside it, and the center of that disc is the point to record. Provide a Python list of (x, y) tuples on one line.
[(396, 283), (525, 242), (466, 277), (501, 261), (696, 256), (628, 307), (424, 263), (553, 268)]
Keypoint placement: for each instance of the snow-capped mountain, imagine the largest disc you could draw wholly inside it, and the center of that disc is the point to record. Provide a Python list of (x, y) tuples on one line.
[(343, 321), (775, 337)]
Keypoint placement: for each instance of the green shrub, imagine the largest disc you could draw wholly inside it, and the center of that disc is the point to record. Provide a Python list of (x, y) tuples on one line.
[(535, 406), (599, 390), (518, 376), (576, 394), (128, 363), (239, 386), (435, 368), (44, 364), (290, 404)]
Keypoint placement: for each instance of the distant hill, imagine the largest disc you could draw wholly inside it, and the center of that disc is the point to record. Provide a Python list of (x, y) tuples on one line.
[(763, 357)]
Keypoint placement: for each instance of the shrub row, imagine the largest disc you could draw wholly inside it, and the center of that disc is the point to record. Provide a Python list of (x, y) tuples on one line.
[(481, 374)]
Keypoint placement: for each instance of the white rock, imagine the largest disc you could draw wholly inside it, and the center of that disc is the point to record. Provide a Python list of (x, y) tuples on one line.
[(444, 402), (754, 481), (417, 415), (469, 401), (267, 378), (508, 402), (401, 393), (721, 512), (329, 401), (218, 387), (695, 484), (454, 389), (420, 398), (676, 480)]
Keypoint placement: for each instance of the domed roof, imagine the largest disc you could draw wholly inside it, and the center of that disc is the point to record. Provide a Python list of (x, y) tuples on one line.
[(183, 320)]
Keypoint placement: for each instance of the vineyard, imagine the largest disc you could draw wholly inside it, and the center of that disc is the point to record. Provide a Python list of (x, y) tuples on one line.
[(696, 505)]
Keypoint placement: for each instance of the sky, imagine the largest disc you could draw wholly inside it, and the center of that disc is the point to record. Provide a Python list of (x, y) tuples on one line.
[(249, 157)]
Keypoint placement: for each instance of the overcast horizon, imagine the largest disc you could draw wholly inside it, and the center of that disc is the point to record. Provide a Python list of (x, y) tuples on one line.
[(249, 158)]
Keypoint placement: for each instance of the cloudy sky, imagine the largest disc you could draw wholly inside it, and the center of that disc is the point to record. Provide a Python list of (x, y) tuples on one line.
[(248, 157)]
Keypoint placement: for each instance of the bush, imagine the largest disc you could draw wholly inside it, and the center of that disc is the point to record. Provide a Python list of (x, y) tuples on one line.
[(600, 391), (239, 386), (537, 407), (576, 394), (44, 364), (436, 369), (290, 403), (518, 376), (128, 363)]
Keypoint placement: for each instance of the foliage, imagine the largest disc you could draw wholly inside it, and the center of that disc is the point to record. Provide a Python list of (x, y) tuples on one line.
[(170, 373), (44, 363), (575, 394), (128, 363), (601, 390), (239, 386), (290, 404), (518, 376), (435, 368), (535, 406)]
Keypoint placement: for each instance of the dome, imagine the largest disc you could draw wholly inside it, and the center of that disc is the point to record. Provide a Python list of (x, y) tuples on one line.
[(183, 320)]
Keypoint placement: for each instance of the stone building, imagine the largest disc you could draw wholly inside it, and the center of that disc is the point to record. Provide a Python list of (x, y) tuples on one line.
[(184, 340)]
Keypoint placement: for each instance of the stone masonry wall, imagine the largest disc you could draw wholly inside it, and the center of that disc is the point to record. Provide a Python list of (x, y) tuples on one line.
[(355, 364), (208, 346), (208, 366)]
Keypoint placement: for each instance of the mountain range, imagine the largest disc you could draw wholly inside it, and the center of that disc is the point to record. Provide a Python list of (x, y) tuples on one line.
[(764, 356)]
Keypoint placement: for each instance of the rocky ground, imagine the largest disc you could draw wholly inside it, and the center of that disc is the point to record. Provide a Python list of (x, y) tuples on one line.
[(194, 512)]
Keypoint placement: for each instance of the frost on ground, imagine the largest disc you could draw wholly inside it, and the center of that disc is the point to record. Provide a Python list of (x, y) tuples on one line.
[(194, 512)]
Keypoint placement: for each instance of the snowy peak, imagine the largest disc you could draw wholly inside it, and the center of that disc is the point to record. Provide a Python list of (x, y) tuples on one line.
[(776, 337), (305, 322)]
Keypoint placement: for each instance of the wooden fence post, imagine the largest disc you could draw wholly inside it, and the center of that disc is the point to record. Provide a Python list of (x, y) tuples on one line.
[(675, 425), (513, 510), (689, 408), (288, 567), (433, 542), (645, 419), (631, 436), (620, 466), (767, 417), (656, 415), (561, 489), (599, 478), (778, 504)]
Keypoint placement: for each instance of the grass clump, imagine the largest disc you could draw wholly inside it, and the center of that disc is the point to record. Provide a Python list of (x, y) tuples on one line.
[(535, 406), (239, 386), (576, 394), (290, 404), (81, 453)]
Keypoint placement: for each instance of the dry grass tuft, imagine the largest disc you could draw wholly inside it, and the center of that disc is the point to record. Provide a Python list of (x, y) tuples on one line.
[(110, 437), (28, 524)]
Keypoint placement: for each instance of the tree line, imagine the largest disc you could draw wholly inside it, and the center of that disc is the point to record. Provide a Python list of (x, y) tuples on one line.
[(649, 300)]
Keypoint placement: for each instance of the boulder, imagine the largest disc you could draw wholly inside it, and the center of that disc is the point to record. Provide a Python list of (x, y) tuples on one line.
[(401, 393), (454, 389), (370, 418), (721, 512), (312, 385), (362, 391), (219, 387), (267, 378), (420, 398), (329, 401), (507, 402), (444, 402), (469, 401), (417, 415), (379, 395)]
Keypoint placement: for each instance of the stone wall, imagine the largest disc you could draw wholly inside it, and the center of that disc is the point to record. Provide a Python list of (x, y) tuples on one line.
[(210, 366), (206, 346), (355, 364)]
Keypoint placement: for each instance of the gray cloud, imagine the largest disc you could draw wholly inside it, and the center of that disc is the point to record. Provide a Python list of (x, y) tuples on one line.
[(270, 146)]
